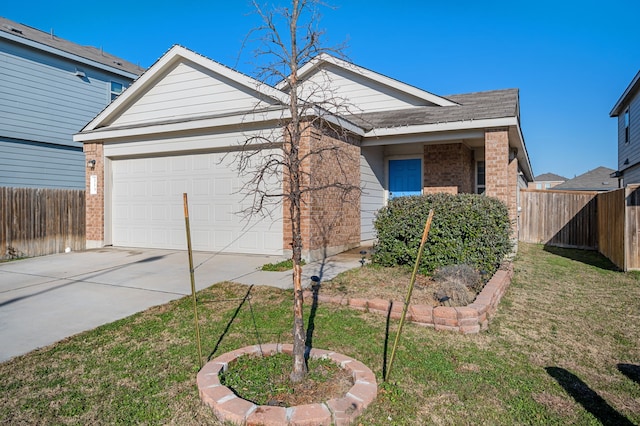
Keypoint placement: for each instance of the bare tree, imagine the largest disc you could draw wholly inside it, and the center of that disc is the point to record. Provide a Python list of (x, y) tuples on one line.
[(289, 39)]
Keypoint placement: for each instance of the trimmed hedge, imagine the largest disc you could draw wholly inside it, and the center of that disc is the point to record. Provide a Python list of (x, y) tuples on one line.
[(466, 229)]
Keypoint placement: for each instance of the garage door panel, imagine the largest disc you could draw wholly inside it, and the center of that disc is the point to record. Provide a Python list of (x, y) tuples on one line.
[(147, 208), (201, 214), (223, 237), (178, 238)]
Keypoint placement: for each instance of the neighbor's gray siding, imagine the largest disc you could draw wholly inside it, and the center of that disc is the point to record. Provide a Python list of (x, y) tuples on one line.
[(631, 150), (42, 101), (25, 164), (631, 175)]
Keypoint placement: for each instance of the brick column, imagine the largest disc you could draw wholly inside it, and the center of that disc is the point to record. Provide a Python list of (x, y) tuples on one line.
[(501, 174), (512, 195), (94, 195), (330, 219)]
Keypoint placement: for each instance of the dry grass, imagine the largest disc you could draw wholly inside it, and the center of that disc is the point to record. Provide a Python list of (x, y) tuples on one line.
[(372, 282), (562, 349)]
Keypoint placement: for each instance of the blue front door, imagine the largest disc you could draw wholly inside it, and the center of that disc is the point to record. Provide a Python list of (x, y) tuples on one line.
[(405, 177)]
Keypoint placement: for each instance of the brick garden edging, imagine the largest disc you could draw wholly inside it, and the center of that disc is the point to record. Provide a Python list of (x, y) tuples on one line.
[(464, 319), (228, 407)]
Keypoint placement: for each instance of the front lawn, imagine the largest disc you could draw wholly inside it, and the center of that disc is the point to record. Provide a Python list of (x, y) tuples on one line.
[(562, 349)]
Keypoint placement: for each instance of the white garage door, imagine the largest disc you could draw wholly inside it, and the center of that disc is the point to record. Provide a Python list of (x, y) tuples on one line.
[(148, 211)]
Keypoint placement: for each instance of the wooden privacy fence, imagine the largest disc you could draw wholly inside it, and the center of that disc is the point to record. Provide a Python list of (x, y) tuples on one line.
[(608, 222), (559, 218), (36, 222)]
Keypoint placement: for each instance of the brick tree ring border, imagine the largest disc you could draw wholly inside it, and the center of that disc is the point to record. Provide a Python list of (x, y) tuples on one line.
[(229, 407)]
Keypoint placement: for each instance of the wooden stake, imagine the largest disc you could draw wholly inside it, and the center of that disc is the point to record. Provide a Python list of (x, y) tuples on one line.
[(425, 234), (193, 281)]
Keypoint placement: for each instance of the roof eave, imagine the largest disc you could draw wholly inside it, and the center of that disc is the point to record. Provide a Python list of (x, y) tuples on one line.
[(317, 61), (466, 125), (631, 88), (66, 55), (442, 126)]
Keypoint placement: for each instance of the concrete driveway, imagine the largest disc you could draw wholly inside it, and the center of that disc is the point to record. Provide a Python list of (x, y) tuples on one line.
[(45, 299)]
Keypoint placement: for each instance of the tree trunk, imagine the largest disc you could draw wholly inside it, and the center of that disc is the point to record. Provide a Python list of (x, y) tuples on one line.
[(299, 338)]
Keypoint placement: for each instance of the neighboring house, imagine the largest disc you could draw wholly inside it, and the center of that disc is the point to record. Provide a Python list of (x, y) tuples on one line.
[(49, 89), (598, 179), (546, 181), (627, 110), (172, 131)]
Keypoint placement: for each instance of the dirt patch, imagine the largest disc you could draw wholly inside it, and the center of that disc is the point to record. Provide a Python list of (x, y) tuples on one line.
[(371, 282)]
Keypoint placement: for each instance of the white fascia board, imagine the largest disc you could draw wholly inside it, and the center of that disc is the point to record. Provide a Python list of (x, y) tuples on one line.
[(523, 155), (446, 136), (443, 127), (67, 55), (123, 132), (175, 54), (372, 75)]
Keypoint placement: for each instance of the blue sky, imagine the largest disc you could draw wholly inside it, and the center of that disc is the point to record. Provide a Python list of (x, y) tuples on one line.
[(571, 60)]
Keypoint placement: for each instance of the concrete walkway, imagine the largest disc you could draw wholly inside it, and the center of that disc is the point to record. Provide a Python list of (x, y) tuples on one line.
[(45, 299)]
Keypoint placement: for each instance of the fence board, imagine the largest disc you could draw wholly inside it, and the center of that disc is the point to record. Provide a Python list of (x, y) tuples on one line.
[(632, 228), (611, 226), (36, 221), (559, 218)]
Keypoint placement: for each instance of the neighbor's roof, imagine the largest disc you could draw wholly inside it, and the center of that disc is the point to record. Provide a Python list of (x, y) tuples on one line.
[(550, 177), (629, 92), (471, 106), (54, 44), (597, 179)]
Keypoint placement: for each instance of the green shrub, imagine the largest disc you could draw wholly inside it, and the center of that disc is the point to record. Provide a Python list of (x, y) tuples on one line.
[(466, 229)]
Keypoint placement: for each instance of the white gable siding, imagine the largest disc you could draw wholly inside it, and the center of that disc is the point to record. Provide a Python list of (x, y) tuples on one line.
[(359, 94), (188, 91)]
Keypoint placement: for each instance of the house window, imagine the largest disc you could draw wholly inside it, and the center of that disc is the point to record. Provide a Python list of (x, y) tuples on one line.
[(480, 177), (116, 89), (626, 126)]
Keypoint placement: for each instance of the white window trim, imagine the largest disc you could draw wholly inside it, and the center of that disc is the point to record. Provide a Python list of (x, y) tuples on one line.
[(111, 92)]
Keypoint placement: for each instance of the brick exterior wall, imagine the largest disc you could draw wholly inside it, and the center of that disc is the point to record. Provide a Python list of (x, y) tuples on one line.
[(448, 168), (330, 218), (94, 202), (501, 171)]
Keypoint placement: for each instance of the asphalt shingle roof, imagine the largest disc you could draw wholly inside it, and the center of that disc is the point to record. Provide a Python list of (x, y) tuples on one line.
[(471, 106), (550, 177), (51, 40), (598, 179)]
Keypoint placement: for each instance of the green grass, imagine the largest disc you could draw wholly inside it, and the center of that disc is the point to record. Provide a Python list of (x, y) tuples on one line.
[(553, 354), (265, 380), (284, 265)]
